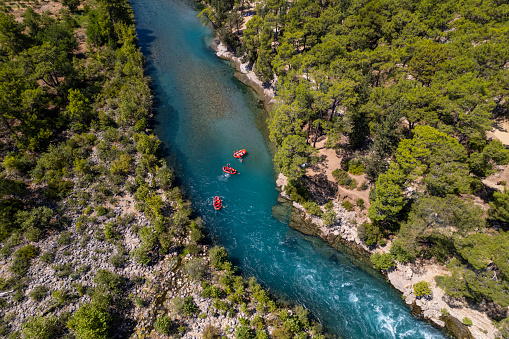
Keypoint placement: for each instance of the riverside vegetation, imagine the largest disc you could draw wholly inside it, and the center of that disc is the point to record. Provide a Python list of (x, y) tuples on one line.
[(96, 241), (406, 91)]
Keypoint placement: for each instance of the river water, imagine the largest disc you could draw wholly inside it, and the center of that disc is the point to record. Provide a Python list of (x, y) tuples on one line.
[(203, 115)]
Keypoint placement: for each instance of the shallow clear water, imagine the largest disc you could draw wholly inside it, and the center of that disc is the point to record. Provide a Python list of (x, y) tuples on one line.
[(203, 115)]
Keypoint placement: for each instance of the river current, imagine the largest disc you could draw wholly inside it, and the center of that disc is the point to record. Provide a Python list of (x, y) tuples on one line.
[(203, 114)]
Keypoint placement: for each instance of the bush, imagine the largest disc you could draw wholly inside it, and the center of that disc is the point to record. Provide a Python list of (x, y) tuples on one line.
[(118, 260), (297, 192), (218, 257), (164, 177), (122, 165), (369, 233), (38, 293), (312, 208), (195, 268), (329, 217), (210, 291), (101, 210), (244, 332), (210, 332), (189, 307), (28, 252), (63, 270), (400, 253), (353, 184), (363, 186), (112, 281), (42, 328), (466, 321), (177, 304), (64, 239), (422, 289), (383, 261), (355, 167), (61, 297), (19, 266), (90, 321), (360, 203), (163, 325), (58, 189), (347, 205)]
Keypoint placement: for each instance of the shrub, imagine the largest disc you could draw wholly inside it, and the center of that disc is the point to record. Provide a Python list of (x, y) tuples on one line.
[(353, 184), (218, 257), (444, 312), (112, 281), (221, 305), (189, 307), (210, 332), (383, 261), (61, 297), (42, 328), (101, 210), (355, 167), (64, 239), (118, 260), (244, 332), (141, 256), (422, 289), (210, 291), (139, 301), (400, 253), (312, 208), (341, 177), (360, 203), (163, 325), (466, 321), (164, 177), (369, 233), (19, 266), (27, 252), (363, 186), (196, 235), (63, 270), (177, 304), (109, 231), (195, 268), (90, 321), (347, 205), (329, 217), (38, 293), (122, 165), (58, 189), (297, 192)]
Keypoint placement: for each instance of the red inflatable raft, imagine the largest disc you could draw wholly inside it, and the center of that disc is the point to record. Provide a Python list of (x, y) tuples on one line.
[(218, 204), (229, 170), (239, 154)]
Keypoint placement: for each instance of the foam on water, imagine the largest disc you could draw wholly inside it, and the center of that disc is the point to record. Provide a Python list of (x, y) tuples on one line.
[(203, 115)]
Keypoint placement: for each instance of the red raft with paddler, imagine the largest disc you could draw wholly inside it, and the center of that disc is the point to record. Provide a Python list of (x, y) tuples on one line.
[(218, 203), (229, 170), (239, 154)]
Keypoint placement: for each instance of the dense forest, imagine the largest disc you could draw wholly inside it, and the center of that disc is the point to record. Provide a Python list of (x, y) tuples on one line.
[(406, 91), (96, 240)]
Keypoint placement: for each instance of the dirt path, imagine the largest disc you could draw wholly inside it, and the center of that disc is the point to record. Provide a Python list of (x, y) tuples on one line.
[(331, 161)]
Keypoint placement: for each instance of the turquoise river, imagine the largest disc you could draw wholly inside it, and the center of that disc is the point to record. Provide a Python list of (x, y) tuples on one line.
[(203, 115)]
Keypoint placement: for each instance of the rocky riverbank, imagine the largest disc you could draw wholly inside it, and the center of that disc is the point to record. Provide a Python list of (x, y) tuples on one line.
[(442, 311)]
